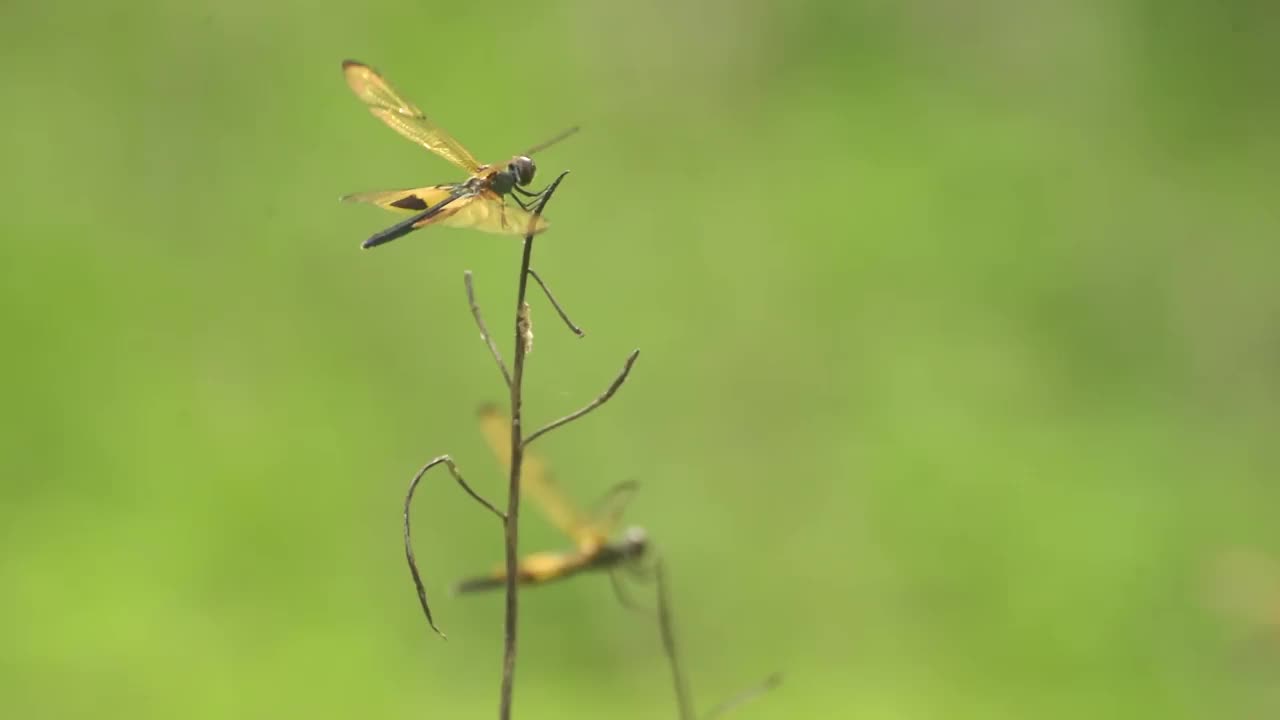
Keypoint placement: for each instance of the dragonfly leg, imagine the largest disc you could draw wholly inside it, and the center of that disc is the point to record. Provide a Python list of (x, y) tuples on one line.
[(530, 197), (642, 572), (624, 596)]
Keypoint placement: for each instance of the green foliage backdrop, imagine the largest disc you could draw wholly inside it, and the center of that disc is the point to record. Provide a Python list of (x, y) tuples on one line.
[(960, 333)]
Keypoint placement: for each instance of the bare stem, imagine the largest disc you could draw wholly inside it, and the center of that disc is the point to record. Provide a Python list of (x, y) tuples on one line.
[(604, 397), (511, 523), (684, 702), (408, 534), (484, 331), (563, 315)]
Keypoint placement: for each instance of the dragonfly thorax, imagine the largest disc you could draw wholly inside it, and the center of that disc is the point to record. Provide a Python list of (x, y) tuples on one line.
[(517, 172)]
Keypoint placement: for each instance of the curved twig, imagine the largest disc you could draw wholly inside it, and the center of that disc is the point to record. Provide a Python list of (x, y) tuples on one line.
[(408, 534)]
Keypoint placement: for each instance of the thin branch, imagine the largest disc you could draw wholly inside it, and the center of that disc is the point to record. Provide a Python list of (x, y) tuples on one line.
[(511, 523), (484, 331), (684, 701), (604, 397), (408, 534), (745, 696), (563, 315)]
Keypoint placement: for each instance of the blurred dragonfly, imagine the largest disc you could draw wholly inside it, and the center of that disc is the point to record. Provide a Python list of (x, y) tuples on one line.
[(591, 533), (595, 550), (478, 202)]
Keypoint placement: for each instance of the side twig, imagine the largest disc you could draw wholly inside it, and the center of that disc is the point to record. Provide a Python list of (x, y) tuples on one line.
[(511, 523), (604, 397), (408, 533), (745, 696), (484, 331), (563, 315)]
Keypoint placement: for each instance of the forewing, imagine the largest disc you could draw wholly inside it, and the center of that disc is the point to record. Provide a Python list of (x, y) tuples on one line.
[(402, 116), (607, 513), (535, 481), (551, 141)]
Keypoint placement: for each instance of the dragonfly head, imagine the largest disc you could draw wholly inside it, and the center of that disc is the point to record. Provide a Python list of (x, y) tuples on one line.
[(522, 169), (635, 541)]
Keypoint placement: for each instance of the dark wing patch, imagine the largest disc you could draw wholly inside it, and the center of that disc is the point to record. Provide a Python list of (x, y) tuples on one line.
[(410, 202)]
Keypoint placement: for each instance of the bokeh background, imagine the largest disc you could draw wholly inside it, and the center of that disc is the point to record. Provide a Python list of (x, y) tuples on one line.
[(960, 370)]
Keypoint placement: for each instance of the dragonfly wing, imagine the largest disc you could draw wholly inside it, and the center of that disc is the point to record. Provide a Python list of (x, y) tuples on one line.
[(402, 116), (552, 141), (534, 478), (436, 208), (608, 510), (407, 200), (491, 213), (482, 211)]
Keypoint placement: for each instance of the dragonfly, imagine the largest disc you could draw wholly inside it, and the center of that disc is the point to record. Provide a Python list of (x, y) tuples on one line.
[(478, 202), (591, 532)]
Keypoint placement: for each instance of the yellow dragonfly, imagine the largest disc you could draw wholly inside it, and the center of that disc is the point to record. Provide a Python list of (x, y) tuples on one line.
[(478, 202), (590, 532)]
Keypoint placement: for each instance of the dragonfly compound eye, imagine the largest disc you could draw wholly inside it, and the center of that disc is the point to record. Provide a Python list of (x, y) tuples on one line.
[(523, 168)]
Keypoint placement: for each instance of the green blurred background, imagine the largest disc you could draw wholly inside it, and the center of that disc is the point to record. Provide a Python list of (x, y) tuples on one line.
[(960, 371)]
